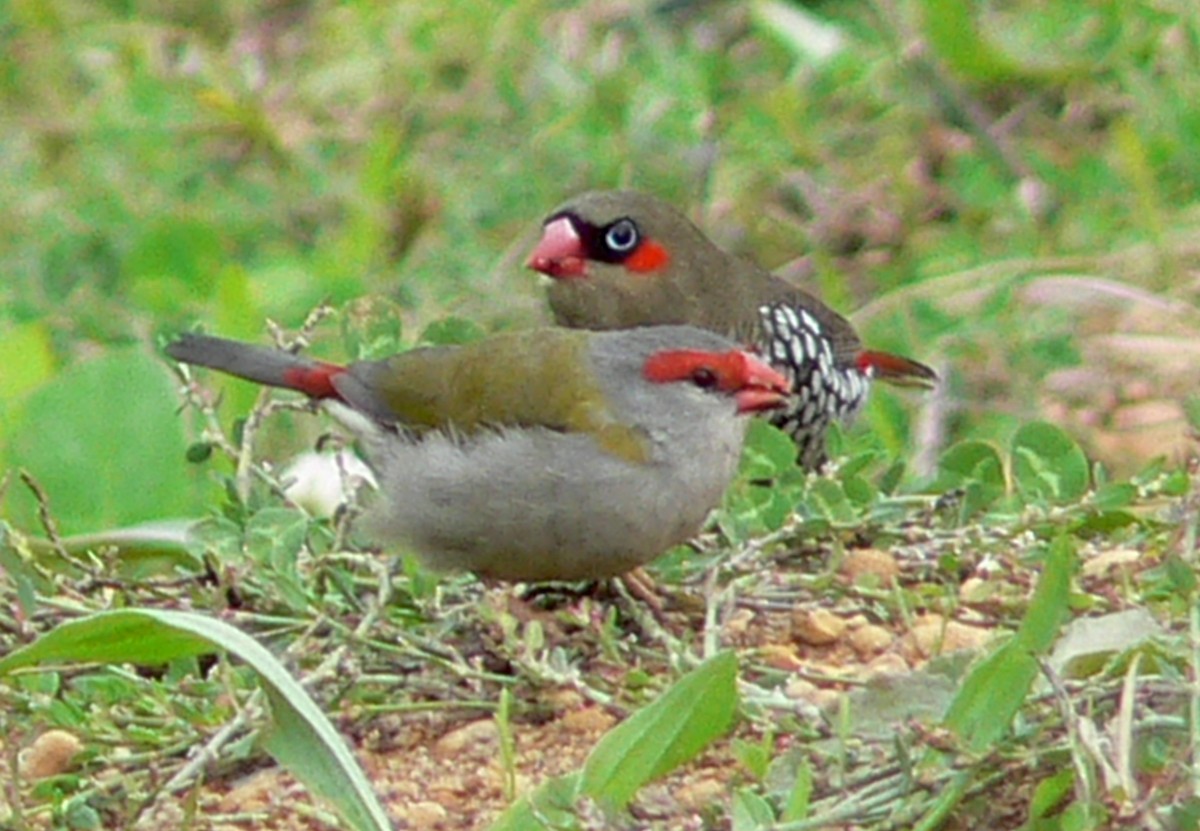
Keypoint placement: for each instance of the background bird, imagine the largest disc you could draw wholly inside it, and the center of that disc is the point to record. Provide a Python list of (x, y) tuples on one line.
[(623, 258), (546, 454)]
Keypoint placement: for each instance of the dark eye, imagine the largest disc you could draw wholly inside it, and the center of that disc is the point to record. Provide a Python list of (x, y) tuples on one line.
[(621, 236), (704, 378)]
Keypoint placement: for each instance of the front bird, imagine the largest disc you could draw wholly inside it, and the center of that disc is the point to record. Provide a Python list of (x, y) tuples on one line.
[(623, 258), (546, 454)]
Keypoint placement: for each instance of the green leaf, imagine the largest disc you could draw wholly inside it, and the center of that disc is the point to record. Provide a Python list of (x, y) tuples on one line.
[(1048, 464), (1181, 575), (1050, 606), (666, 733), (1176, 483), (105, 441), (975, 467), (891, 478), (983, 709), (549, 808), (141, 551), (1115, 495), (767, 453), (971, 461), (828, 497), (750, 811), (800, 795), (993, 693), (298, 736), (1050, 793), (754, 756), (697, 709)]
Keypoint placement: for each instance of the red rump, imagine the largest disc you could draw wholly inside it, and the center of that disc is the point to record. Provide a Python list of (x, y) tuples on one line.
[(314, 381)]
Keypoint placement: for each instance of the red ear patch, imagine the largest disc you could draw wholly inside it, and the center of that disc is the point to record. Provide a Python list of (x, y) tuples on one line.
[(649, 256)]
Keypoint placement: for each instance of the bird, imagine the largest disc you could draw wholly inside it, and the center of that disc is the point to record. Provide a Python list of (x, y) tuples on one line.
[(534, 455), (619, 259)]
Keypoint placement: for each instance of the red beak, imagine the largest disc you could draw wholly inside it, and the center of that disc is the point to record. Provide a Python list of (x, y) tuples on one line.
[(763, 388), (560, 253)]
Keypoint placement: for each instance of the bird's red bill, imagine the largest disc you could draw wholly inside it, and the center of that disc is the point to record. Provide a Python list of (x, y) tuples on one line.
[(756, 400), (754, 385), (764, 388), (560, 253)]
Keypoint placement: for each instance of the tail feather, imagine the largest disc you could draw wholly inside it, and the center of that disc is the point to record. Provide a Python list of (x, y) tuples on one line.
[(898, 370), (260, 364)]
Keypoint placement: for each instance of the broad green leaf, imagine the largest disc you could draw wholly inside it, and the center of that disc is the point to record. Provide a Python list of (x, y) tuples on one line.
[(801, 794), (891, 478), (105, 441), (299, 735), (971, 461), (1049, 607), (767, 453), (145, 550), (1180, 574), (992, 694), (1114, 496), (1048, 464), (1050, 793), (828, 497), (551, 807), (697, 709), (750, 811), (1177, 483), (275, 537), (975, 468), (983, 709)]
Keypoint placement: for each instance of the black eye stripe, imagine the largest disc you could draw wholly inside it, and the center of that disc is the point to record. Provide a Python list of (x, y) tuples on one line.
[(594, 237)]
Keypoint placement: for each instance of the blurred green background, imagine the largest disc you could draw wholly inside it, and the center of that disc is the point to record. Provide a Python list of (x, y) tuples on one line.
[(1006, 189)]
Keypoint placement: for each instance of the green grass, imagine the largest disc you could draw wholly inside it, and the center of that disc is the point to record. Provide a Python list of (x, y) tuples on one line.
[(231, 162)]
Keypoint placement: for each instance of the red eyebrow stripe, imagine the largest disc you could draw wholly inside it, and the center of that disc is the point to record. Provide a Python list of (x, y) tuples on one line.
[(734, 370)]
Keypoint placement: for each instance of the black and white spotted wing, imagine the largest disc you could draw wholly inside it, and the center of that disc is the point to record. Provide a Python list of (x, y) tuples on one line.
[(794, 342)]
